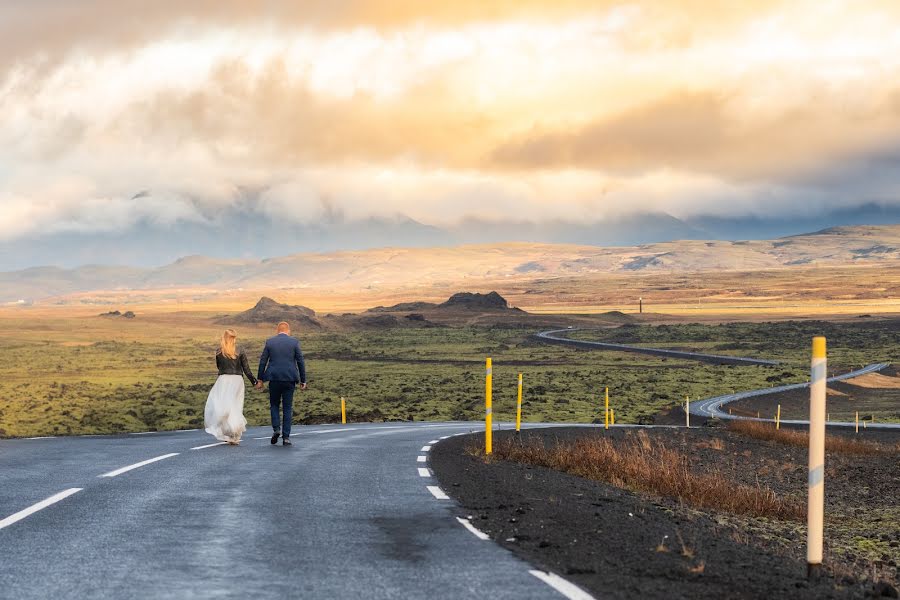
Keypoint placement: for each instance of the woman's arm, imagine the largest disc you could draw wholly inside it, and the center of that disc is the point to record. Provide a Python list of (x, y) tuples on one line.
[(245, 366)]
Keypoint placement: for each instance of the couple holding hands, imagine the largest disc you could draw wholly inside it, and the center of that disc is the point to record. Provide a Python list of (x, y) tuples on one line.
[(281, 365)]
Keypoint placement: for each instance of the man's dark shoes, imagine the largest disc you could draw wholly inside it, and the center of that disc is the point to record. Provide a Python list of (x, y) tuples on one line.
[(275, 438), (286, 442)]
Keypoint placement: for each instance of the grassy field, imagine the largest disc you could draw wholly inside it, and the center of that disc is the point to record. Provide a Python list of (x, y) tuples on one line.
[(87, 374)]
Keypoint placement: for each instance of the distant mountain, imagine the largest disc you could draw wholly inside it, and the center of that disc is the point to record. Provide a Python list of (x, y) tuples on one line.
[(271, 312), (464, 266), (759, 228), (243, 233)]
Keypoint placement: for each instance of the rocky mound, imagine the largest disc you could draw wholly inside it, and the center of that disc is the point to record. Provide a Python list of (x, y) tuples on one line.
[(461, 301), (116, 313), (470, 301), (405, 307), (272, 312)]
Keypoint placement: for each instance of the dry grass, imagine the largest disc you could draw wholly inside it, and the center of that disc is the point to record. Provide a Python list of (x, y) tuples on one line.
[(793, 437), (640, 464)]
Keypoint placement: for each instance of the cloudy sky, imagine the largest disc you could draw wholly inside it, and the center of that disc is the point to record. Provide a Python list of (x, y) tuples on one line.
[(114, 112)]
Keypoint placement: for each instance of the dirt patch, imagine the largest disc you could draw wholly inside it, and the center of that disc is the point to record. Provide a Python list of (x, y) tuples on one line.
[(876, 380), (622, 545)]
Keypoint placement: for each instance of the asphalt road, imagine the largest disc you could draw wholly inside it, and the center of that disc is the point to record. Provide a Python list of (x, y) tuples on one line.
[(345, 513), (712, 407), (558, 336)]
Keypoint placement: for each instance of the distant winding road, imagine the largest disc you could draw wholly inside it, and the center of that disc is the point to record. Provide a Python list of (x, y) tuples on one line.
[(556, 337), (712, 407)]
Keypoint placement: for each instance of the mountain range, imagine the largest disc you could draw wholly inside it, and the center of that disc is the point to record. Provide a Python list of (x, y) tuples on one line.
[(241, 233), (469, 265)]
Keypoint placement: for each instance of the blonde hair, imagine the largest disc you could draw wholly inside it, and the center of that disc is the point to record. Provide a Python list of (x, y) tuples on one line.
[(283, 327), (228, 346)]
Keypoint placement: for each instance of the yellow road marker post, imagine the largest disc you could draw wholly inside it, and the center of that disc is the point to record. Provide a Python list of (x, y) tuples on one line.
[(343, 411), (857, 421), (612, 416), (816, 499), (606, 409), (519, 406), (778, 418), (488, 409)]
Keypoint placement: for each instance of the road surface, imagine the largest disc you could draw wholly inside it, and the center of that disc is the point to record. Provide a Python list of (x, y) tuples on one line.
[(348, 512), (712, 407), (556, 337)]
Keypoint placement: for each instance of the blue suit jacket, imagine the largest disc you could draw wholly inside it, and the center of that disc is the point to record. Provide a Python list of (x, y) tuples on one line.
[(282, 360)]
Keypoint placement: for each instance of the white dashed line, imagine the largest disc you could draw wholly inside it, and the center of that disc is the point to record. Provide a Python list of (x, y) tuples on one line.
[(424, 472), (422, 459), (445, 437), (137, 465), (36, 507), (209, 446), (569, 590), (425, 449), (433, 442), (477, 533), (437, 492)]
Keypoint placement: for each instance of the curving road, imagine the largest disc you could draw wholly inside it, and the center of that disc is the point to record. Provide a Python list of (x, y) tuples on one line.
[(712, 407), (555, 337), (349, 512)]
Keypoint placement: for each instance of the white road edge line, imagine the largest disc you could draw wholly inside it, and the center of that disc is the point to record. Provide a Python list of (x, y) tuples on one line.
[(137, 465), (421, 459), (425, 449), (567, 589), (42, 437), (433, 441), (476, 532), (209, 446), (143, 432), (437, 492), (424, 472), (36, 507)]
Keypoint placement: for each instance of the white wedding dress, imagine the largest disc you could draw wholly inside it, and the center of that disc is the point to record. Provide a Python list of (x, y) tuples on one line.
[(224, 414)]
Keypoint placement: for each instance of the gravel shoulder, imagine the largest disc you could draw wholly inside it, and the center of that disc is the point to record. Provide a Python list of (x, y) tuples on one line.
[(618, 544)]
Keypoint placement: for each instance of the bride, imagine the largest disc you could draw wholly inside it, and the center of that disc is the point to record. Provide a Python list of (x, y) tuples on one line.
[(224, 414)]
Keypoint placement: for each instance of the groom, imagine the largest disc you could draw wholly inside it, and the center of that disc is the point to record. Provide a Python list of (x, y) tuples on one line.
[(281, 364)]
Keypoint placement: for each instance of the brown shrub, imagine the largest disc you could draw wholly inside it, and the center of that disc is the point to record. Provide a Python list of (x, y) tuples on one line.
[(761, 430), (643, 465)]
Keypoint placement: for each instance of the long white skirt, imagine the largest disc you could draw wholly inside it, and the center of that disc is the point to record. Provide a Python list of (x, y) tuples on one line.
[(224, 414)]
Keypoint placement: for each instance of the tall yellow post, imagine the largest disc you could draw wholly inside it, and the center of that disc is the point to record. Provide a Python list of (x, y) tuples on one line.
[(519, 406), (778, 418), (857, 421), (816, 499), (606, 409), (343, 411), (612, 416), (488, 409)]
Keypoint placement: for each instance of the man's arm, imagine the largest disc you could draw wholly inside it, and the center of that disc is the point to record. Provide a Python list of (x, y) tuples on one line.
[(263, 361), (301, 364)]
